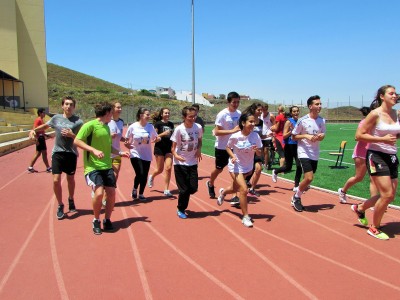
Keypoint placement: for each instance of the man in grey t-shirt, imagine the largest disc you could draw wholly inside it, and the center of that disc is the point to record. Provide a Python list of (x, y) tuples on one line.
[(64, 154)]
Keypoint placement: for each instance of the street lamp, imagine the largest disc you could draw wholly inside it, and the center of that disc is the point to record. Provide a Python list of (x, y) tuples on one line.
[(193, 77)]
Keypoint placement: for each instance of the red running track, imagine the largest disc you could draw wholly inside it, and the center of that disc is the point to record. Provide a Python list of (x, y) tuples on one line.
[(321, 254)]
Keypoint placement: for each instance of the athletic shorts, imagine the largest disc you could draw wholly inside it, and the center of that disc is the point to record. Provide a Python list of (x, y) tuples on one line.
[(63, 162), (221, 158), (41, 143), (382, 164), (116, 161), (279, 148), (267, 143), (308, 165), (162, 151), (258, 159), (101, 178)]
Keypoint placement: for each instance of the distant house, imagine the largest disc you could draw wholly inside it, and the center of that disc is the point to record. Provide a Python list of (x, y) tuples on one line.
[(245, 97), (208, 96), (187, 96), (165, 91)]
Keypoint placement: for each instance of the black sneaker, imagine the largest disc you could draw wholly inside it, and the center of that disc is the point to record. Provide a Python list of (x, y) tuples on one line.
[(235, 201), (60, 212), (71, 205), (32, 170), (296, 203), (254, 192), (142, 198), (211, 191), (96, 227), (107, 225), (134, 194), (48, 170), (248, 183)]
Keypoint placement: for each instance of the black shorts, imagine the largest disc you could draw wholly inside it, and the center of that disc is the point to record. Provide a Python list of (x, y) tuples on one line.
[(63, 162), (258, 159), (308, 165), (221, 158), (267, 143), (279, 148), (41, 143), (162, 151), (382, 164), (101, 178)]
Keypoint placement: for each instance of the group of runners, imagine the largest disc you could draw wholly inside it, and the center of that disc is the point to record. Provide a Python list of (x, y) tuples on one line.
[(244, 143)]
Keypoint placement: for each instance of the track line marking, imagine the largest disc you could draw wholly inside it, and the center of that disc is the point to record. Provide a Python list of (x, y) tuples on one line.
[(136, 254), (53, 249)]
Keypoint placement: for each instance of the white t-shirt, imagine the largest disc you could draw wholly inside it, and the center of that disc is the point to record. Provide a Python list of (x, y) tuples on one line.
[(227, 120), (187, 141), (267, 124), (242, 147), (116, 127), (308, 125), (141, 138)]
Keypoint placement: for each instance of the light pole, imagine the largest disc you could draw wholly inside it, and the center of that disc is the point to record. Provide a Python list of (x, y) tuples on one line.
[(193, 73)]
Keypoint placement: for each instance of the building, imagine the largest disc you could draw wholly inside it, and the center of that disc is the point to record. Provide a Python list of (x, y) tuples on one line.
[(23, 61), (187, 96), (165, 91)]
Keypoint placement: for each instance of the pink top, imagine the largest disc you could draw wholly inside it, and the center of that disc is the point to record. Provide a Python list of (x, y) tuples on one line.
[(360, 150)]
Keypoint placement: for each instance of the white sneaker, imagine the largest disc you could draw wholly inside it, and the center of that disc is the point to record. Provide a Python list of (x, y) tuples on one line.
[(274, 176), (342, 196), (295, 189), (247, 221), (221, 197), (150, 181), (168, 193)]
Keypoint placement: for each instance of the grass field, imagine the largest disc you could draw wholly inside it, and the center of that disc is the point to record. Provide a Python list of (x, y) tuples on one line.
[(326, 177)]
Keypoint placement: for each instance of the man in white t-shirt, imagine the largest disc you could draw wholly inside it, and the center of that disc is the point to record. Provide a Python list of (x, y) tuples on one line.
[(226, 123), (308, 133)]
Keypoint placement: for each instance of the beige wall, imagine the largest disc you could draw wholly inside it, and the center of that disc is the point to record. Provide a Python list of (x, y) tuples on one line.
[(23, 47)]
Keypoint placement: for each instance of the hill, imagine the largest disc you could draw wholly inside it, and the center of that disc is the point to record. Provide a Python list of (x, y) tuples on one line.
[(89, 90)]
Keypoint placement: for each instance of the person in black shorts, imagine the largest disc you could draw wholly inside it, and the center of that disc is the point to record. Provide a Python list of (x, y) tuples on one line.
[(198, 120), (162, 149), (64, 156)]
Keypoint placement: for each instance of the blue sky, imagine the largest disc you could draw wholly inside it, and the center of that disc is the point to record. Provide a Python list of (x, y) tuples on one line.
[(279, 51)]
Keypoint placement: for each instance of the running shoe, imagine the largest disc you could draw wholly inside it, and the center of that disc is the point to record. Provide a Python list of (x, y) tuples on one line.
[(48, 170), (360, 215), (181, 215), (274, 176), (221, 197), (107, 225), (248, 183), (211, 191), (295, 189), (32, 170), (60, 212), (342, 196), (246, 221), (235, 201), (96, 227), (254, 192), (142, 198), (376, 233), (168, 193), (296, 203), (71, 205), (150, 181), (134, 194)]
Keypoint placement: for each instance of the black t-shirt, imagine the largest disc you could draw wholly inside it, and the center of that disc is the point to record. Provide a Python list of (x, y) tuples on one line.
[(161, 127), (200, 121)]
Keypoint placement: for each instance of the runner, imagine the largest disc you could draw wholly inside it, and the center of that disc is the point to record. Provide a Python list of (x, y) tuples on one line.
[(95, 139), (359, 155), (64, 154), (308, 132), (40, 137), (277, 129), (226, 123), (186, 149), (199, 120), (268, 148), (380, 130), (290, 149), (162, 149), (241, 147), (139, 136)]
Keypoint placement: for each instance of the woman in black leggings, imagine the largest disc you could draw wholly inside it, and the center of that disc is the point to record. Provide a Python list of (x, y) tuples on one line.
[(290, 149), (140, 134)]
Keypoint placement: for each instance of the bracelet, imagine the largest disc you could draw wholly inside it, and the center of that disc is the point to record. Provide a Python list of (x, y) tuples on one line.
[(120, 153)]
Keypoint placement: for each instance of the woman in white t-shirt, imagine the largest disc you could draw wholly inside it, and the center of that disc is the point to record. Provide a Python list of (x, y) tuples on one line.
[(241, 148), (139, 135)]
